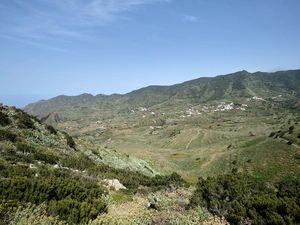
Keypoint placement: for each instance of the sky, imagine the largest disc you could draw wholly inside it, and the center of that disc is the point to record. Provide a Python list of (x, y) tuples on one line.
[(69, 47)]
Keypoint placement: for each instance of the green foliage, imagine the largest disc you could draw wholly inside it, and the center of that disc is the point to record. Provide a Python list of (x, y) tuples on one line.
[(159, 202), (239, 197), (74, 211), (22, 146), (51, 129), (4, 119), (132, 180), (79, 161), (119, 198), (6, 135), (70, 140), (33, 214), (46, 157), (72, 200), (24, 120)]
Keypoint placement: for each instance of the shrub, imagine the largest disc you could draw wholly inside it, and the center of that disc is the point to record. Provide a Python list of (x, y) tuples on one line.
[(24, 120), (80, 161), (75, 201), (70, 140), (272, 134), (46, 157), (32, 214), (4, 119), (7, 136), (76, 212), (240, 197), (51, 129), (22, 146), (234, 170)]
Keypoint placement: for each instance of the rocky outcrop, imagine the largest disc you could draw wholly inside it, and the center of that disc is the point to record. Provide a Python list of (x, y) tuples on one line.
[(114, 183)]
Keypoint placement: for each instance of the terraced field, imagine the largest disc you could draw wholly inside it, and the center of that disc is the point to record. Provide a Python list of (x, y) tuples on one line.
[(186, 139)]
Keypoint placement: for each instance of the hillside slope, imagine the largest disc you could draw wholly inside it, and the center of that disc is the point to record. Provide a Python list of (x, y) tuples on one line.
[(47, 177), (188, 127)]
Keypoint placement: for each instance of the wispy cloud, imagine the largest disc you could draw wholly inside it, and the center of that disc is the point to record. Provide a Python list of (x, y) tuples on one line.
[(190, 18), (41, 21), (34, 43)]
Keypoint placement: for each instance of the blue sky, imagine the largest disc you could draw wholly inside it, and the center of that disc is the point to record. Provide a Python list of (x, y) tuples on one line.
[(70, 47)]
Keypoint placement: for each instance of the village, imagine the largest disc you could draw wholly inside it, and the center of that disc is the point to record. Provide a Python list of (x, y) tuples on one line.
[(198, 110)]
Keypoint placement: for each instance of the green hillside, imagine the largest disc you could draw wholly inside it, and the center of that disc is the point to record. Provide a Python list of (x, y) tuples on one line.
[(183, 152), (186, 127), (47, 175)]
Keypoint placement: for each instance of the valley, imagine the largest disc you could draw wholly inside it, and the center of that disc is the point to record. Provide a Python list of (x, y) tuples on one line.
[(200, 139), (211, 150)]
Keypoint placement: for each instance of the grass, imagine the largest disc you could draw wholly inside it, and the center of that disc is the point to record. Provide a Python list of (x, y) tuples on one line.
[(168, 146), (259, 175), (253, 142), (170, 210)]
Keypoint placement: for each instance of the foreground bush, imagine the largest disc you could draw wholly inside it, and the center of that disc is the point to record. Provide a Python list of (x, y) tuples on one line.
[(72, 200), (241, 198)]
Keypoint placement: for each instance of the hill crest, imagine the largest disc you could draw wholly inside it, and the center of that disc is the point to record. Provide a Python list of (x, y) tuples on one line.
[(230, 87)]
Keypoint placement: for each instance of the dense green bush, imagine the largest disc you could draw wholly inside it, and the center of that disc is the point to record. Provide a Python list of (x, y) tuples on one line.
[(22, 146), (80, 161), (7, 136), (72, 200), (16, 171), (51, 129), (74, 211), (4, 119), (24, 120), (240, 198), (45, 157)]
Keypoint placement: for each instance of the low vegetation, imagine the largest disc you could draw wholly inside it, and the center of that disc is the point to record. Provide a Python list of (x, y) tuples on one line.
[(41, 171), (242, 199)]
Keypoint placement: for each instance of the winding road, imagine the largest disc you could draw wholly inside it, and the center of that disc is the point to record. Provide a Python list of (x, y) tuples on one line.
[(188, 144)]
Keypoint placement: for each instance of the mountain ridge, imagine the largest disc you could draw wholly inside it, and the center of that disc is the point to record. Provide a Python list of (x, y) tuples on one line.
[(201, 90)]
